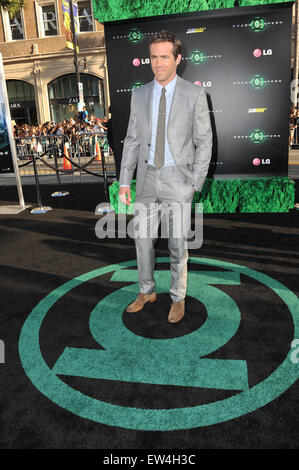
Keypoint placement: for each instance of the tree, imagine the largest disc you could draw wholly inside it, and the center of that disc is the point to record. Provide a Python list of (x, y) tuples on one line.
[(12, 6)]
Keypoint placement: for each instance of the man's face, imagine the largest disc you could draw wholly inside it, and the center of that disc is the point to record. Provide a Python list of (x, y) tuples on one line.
[(163, 63)]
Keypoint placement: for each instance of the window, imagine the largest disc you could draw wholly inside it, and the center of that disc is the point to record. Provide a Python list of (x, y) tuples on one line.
[(14, 27), (17, 28), (63, 96), (49, 23), (47, 19), (85, 19), (21, 102), (19, 91), (66, 86)]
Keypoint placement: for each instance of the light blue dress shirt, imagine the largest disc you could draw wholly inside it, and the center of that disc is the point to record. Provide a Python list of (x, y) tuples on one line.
[(170, 87)]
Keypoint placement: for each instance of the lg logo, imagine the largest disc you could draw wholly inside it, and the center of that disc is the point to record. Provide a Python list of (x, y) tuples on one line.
[(258, 52), (136, 62), (204, 84), (263, 161)]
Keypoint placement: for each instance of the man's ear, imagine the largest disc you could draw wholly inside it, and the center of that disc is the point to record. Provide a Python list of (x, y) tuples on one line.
[(178, 59)]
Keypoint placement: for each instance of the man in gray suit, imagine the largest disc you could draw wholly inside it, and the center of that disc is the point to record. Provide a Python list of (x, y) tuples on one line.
[(169, 139)]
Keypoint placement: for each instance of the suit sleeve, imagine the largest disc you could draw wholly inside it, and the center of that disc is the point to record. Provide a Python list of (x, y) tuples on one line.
[(130, 149), (202, 138)]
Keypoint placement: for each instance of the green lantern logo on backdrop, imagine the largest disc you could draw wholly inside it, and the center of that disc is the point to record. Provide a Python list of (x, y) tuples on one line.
[(258, 24), (257, 82), (135, 36), (136, 84), (128, 357), (197, 57), (257, 136)]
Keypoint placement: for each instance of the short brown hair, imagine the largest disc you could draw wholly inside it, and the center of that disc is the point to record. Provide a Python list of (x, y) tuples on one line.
[(165, 36)]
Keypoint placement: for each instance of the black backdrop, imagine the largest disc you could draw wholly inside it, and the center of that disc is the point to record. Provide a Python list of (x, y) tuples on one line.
[(243, 59)]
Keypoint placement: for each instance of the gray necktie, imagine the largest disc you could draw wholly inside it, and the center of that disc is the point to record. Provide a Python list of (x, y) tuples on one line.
[(160, 136)]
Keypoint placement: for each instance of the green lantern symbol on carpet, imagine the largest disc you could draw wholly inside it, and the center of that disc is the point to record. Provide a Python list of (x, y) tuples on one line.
[(197, 57), (135, 36), (125, 348), (258, 81), (258, 24), (257, 136), (130, 357)]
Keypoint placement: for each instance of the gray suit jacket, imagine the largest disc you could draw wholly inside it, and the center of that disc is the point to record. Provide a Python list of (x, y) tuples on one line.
[(189, 133)]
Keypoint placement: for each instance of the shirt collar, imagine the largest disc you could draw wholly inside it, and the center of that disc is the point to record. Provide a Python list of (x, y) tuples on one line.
[(169, 87)]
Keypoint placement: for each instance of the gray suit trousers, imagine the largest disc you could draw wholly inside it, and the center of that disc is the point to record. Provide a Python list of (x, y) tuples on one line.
[(165, 192)]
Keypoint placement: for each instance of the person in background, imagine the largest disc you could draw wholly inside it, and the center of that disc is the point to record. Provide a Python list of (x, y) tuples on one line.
[(85, 114), (104, 121), (59, 130), (293, 127), (96, 125)]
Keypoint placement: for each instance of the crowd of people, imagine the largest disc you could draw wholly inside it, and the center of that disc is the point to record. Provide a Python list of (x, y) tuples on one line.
[(75, 131), (70, 128)]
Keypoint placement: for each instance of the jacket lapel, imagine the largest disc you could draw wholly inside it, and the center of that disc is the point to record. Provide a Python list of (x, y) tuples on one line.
[(176, 102), (148, 100)]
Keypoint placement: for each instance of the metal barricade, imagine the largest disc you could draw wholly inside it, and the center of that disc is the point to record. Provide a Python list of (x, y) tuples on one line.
[(94, 144), (50, 148), (85, 150)]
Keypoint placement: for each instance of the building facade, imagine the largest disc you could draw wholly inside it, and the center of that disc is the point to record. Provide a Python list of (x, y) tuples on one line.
[(39, 68)]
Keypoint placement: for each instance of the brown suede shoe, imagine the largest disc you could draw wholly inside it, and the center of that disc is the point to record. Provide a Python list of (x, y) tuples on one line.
[(142, 299), (177, 311)]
